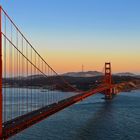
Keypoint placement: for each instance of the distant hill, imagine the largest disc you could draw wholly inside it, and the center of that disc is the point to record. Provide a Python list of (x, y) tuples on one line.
[(96, 73), (83, 74), (126, 74)]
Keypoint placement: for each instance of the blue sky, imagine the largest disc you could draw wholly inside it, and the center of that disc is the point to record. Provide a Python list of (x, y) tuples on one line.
[(81, 31), (80, 15)]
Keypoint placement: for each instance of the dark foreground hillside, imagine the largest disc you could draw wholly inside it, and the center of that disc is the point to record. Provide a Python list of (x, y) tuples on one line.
[(82, 83)]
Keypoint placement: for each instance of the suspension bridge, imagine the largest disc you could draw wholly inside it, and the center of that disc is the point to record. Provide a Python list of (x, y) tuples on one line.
[(24, 100)]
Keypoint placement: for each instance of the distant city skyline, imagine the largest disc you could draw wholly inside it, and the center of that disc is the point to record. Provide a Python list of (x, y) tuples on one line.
[(75, 32)]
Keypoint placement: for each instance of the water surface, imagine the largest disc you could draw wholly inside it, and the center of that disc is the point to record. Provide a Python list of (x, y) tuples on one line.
[(91, 119)]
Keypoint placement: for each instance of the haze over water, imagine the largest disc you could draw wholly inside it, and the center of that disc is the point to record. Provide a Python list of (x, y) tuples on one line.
[(91, 119)]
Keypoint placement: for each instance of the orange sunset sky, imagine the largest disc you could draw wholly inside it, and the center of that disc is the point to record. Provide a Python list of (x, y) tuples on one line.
[(71, 33)]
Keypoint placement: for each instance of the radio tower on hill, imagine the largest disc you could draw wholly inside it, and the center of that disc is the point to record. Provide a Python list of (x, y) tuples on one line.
[(82, 68)]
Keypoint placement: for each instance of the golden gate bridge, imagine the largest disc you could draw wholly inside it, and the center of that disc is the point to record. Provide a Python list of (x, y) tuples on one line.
[(21, 66)]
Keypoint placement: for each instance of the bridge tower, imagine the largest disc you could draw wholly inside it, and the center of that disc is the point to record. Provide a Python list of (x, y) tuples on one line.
[(0, 72), (108, 81)]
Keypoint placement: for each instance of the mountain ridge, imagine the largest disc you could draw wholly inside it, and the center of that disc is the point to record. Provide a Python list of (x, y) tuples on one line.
[(96, 73)]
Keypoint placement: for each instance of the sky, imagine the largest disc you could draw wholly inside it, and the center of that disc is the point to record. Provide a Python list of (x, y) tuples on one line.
[(69, 33)]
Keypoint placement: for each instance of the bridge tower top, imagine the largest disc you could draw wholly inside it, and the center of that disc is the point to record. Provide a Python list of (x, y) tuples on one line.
[(108, 75), (108, 80)]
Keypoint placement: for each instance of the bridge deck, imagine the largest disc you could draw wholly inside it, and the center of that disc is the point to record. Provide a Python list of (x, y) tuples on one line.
[(18, 124)]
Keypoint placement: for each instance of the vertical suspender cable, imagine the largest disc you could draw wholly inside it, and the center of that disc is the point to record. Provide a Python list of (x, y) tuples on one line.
[(5, 69), (18, 111), (22, 73), (27, 73)]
